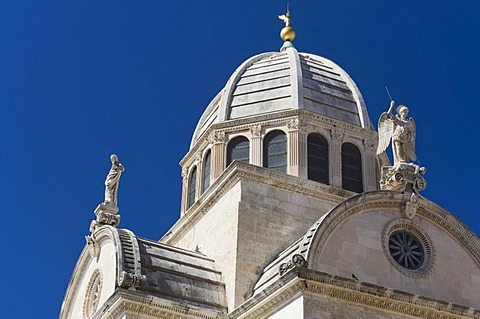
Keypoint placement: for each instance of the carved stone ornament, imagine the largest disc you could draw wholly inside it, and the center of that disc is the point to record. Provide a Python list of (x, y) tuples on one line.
[(129, 280), (92, 296), (369, 144), (217, 137), (107, 211), (198, 157), (93, 246), (297, 260), (401, 132), (296, 124), (256, 130), (410, 206), (403, 176), (184, 173), (112, 181), (337, 134), (106, 215)]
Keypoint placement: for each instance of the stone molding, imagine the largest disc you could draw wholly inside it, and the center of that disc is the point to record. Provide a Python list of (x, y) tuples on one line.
[(123, 302), (453, 226), (242, 171), (282, 117), (299, 281), (311, 247)]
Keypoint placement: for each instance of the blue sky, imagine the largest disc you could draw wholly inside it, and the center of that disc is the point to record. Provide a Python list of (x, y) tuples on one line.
[(80, 80)]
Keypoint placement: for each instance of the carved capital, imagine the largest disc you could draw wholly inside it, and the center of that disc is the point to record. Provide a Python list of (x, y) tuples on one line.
[(296, 124), (256, 130), (217, 137), (337, 135)]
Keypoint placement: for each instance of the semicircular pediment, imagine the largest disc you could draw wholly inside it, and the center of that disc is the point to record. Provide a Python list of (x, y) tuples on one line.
[(370, 238)]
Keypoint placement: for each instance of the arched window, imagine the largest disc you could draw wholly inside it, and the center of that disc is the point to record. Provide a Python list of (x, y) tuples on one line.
[(317, 158), (192, 187), (238, 150), (351, 168), (206, 170), (275, 151)]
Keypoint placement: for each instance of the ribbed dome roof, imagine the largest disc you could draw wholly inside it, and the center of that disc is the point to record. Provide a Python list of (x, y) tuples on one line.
[(279, 81)]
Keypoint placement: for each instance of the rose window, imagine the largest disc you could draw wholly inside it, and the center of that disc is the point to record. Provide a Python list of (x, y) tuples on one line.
[(406, 250)]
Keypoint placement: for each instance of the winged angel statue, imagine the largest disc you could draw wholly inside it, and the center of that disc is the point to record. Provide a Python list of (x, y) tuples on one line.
[(401, 131)]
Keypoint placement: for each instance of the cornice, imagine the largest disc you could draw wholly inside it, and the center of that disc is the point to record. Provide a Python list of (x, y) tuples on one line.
[(453, 226), (123, 301), (309, 282), (282, 117)]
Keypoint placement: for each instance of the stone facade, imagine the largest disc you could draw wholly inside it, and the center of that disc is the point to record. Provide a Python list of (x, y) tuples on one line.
[(260, 241)]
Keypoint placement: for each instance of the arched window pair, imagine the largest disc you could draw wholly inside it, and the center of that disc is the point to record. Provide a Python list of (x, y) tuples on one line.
[(275, 157), (318, 163), (192, 181), (274, 151)]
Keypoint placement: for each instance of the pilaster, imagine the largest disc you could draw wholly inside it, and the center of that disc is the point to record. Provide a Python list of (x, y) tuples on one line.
[(296, 150), (336, 157), (369, 163), (256, 154), (218, 154), (184, 190), (199, 181)]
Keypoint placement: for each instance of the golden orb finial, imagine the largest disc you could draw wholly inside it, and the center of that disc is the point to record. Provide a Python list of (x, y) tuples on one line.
[(287, 33)]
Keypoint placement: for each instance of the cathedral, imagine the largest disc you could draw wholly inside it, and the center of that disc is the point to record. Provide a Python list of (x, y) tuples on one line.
[(290, 209)]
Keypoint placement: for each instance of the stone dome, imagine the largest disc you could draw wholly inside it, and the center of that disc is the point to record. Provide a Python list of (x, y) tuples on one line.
[(285, 80)]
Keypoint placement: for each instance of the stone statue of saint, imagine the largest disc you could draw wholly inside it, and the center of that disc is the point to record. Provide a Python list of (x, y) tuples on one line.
[(401, 131), (112, 180)]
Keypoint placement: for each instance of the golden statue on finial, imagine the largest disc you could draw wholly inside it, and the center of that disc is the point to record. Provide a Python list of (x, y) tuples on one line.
[(287, 33), (286, 17)]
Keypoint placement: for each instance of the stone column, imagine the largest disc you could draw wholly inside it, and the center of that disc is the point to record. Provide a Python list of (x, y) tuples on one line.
[(369, 163), (218, 154), (256, 151), (335, 157), (296, 149)]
